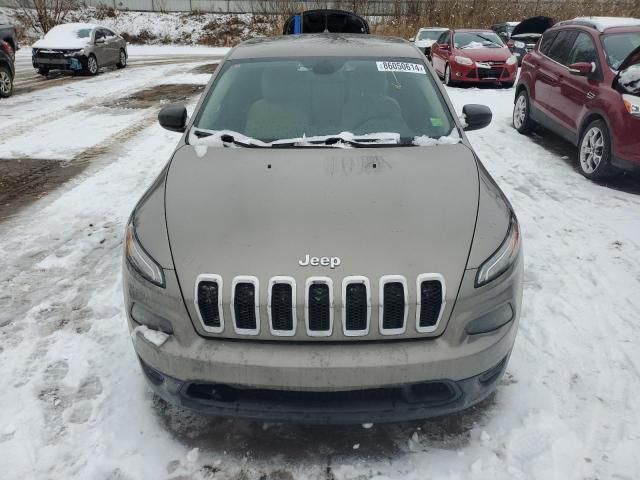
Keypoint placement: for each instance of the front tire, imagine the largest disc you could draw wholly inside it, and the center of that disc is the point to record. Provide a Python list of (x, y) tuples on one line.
[(92, 65), (594, 151), (521, 114), (447, 76), (6, 83), (122, 59), (43, 71)]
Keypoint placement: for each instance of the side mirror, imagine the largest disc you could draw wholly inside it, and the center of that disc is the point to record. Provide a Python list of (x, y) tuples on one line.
[(445, 46), (582, 69), (412, 39), (476, 116), (504, 35), (99, 40), (173, 117)]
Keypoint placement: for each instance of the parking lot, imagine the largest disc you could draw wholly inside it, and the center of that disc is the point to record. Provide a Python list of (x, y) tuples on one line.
[(78, 152)]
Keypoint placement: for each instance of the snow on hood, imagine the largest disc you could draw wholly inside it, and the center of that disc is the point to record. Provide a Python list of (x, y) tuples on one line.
[(629, 79), (69, 35)]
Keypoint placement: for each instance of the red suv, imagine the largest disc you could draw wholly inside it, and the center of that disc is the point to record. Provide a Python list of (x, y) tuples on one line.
[(476, 56), (582, 81)]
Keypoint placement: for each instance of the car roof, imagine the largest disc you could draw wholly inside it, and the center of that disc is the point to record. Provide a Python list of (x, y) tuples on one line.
[(463, 30), (433, 28), (325, 45), (602, 24)]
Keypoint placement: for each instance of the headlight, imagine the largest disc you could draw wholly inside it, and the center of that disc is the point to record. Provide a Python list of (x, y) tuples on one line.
[(463, 60), (140, 260), (519, 44), (503, 258), (632, 104), (512, 60)]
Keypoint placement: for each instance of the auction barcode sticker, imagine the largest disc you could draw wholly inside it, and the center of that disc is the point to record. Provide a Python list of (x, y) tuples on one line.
[(401, 67)]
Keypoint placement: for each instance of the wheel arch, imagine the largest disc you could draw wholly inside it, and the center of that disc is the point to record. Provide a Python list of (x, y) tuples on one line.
[(591, 117)]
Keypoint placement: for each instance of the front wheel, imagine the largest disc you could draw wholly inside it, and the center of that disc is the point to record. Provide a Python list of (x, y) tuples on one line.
[(6, 82), (43, 71), (521, 114), (595, 151), (447, 76), (92, 65), (122, 59)]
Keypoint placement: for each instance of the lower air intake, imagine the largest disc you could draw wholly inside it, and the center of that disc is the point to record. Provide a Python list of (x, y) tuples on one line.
[(244, 306)]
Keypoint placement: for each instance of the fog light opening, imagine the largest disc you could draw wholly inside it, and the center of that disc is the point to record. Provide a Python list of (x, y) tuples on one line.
[(492, 374)]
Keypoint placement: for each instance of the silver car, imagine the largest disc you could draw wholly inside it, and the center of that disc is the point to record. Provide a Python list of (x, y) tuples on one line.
[(79, 47), (324, 244)]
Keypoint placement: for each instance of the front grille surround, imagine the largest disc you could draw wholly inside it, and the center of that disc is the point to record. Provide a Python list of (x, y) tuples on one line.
[(355, 279), (279, 280), (385, 279), (208, 277), (256, 304), (318, 281), (425, 277)]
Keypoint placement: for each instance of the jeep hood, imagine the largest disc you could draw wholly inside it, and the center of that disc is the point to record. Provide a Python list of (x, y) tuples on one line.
[(382, 211)]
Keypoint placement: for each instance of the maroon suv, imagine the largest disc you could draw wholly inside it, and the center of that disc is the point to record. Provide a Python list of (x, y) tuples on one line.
[(582, 81)]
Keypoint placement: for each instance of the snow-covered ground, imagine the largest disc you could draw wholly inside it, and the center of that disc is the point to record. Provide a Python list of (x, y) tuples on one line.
[(73, 401)]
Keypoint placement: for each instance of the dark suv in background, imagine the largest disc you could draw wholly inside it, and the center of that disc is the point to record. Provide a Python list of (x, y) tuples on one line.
[(582, 81)]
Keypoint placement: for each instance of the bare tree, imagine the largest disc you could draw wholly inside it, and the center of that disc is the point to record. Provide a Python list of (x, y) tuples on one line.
[(43, 15)]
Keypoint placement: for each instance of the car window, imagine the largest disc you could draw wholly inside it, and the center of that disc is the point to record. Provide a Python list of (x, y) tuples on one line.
[(99, 34), (108, 33), (318, 96), (584, 50), (443, 38), (561, 47), (618, 46), (547, 40), (477, 40), (429, 35)]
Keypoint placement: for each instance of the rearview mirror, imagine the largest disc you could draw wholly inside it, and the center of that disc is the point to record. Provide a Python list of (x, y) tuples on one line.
[(476, 116), (582, 69), (173, 117)]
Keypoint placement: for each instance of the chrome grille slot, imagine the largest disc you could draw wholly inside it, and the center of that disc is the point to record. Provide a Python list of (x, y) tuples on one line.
[(356, 309), (319, 306), (246, 315), (282, 306), (208, 302), (393, 305), (431, 301)]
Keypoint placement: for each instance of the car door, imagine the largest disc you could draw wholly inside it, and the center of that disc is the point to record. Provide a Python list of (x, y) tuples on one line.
[(549, 76), (440, 55), (112, 45), (578, 92), (100, 49)]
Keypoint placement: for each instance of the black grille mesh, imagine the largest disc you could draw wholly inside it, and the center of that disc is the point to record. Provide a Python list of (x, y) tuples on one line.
[(356, 306), (393, 307), (281, 309), (319, 307), (244, 306), (430, 302), (208, 303)]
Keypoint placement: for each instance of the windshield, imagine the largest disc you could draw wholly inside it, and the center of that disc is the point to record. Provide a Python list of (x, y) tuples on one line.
[(618, 46), (271, 100), (477, 40), (430, 34)]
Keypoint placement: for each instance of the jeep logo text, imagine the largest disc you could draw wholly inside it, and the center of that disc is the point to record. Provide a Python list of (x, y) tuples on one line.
[(331, 262)]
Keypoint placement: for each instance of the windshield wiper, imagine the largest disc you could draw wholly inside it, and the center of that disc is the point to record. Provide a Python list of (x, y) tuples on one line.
[(229, 137), (368, 142)]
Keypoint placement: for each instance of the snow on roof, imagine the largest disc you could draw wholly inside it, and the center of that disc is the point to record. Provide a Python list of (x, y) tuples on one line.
[(603, 23), (423, 29), (513, 24)]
